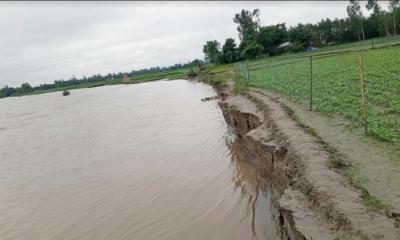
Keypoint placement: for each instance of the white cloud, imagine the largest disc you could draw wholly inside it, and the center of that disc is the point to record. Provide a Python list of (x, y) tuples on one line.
[(43, 41)]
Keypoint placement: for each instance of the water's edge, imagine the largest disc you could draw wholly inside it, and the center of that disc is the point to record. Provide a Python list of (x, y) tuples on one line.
[(264, 158), (312, 200)]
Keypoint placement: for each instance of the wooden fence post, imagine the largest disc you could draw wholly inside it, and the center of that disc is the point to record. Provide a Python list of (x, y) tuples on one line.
[(289, 79), (247, 70), (362, 89), (311, 83), (236, 69)]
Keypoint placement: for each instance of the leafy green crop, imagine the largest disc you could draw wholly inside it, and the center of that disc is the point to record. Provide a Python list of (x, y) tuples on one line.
[(336, 86)]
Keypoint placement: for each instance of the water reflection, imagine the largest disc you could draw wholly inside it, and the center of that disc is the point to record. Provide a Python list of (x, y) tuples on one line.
[(254, 188)]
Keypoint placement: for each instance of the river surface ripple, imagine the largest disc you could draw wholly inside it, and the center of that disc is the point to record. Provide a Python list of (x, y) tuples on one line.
[(144, 161)]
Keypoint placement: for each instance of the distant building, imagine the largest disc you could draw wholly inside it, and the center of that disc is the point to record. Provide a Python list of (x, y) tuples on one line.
[(285, 45)]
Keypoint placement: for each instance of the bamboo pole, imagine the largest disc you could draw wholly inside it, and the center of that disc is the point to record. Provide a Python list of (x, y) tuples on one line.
[(273, 73), (265, 74), (311, 84), (362, 89), (289, 79)]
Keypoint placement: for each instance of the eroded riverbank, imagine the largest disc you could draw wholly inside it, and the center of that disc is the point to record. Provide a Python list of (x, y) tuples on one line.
[(314, 200)]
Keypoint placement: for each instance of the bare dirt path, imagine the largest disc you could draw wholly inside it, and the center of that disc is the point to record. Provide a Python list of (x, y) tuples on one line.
[(375, 166)]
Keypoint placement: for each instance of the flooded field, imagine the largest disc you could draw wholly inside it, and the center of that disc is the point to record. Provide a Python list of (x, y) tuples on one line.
[(145, 161)]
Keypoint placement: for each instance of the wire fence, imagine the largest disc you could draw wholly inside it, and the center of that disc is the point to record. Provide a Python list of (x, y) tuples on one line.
[(362, 86)]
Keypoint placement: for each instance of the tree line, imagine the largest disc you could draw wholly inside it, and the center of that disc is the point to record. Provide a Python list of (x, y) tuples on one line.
[(26, 88), (257, 41)]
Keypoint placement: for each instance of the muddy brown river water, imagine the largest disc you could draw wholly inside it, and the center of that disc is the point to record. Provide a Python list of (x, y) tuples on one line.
[(145, 161)]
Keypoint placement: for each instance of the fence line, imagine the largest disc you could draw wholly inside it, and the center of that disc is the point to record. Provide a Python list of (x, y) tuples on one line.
[(311, 83), (328, 83), (362, 89)]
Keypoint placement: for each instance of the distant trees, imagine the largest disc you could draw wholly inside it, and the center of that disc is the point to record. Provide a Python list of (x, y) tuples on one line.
[(212, 52), (270, 37), (375, 22), (248, 23), (304, 35), (26, 88), (229, 53), (7, 91), (393, 6), (256, 40), (356, 18)]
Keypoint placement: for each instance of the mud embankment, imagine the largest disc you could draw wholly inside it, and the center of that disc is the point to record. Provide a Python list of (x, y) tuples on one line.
[(313, 200)]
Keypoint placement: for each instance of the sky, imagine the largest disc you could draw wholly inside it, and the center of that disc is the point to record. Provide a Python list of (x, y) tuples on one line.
[(44, 41)]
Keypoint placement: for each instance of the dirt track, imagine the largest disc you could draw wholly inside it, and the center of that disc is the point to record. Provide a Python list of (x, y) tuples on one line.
[(372, 165), (315, 201)]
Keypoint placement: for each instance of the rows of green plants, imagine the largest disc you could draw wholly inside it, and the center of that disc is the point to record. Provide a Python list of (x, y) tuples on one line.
[(369, 43), (172, 74), (336, 86)]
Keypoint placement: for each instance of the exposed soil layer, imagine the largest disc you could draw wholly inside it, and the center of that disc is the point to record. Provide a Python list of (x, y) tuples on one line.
[(315, 201), (372, 165)]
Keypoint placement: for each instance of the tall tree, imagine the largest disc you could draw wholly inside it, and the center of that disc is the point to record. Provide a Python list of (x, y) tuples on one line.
[(376, 13), (253, 50), (211, 51), (229, 51), (356, 16), (248, 24), (271, 36), (393, 5), (303, 35)]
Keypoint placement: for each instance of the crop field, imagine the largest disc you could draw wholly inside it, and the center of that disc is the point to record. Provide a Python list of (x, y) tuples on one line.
[(336, 86), (173, 74), (364, 44)]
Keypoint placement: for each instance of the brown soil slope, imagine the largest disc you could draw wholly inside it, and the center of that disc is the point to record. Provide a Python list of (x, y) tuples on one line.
[(374, 165), (316, 201)]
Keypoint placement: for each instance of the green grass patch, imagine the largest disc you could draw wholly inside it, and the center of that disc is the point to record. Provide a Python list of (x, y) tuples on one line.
[(240, 85), (372, 202), (217, 75)]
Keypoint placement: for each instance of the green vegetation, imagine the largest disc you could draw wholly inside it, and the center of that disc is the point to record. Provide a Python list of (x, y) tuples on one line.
[(240, 84), (336, 86), (276, 59), (279, 61), (217, 75), (259, 41), (372, 202), (173, 72), (368, 200)]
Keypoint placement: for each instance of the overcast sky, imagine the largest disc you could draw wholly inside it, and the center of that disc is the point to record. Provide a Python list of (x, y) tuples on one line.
[(44, 41)]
